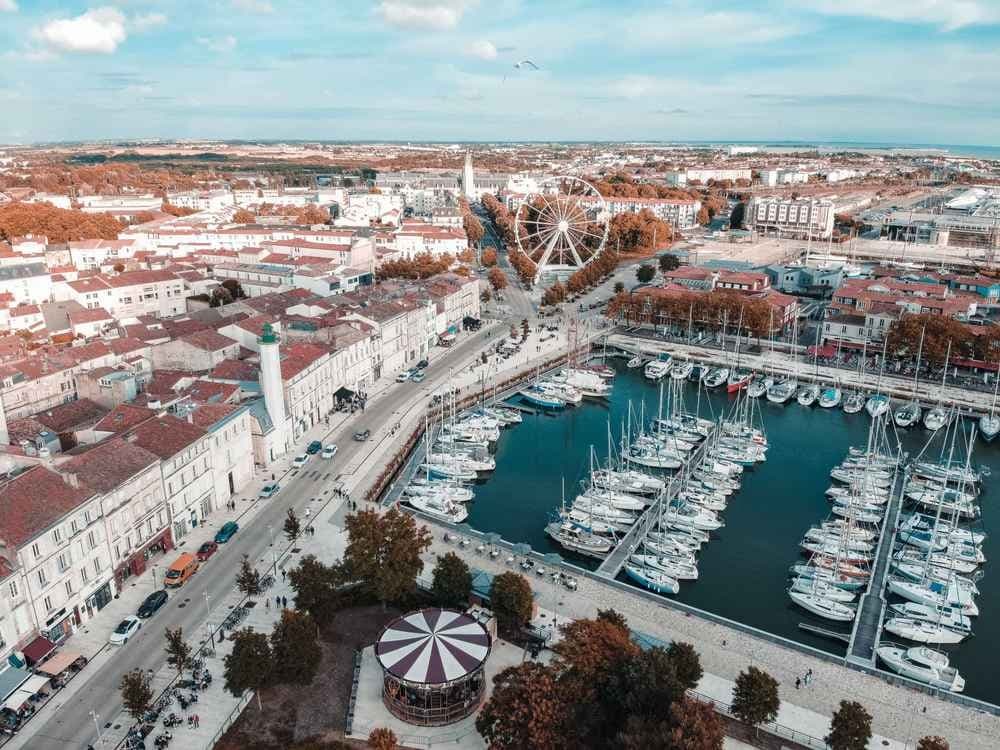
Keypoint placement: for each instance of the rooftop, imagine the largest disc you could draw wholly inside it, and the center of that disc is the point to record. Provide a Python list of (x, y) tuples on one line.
[(33, 501)]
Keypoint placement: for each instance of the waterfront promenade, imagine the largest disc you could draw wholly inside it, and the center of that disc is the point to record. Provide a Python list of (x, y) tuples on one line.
[(900, 715)]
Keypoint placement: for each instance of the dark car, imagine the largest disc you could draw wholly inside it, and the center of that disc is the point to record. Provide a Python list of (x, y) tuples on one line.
[(229, 528), (153, 602), (206, 550), (314, 447), (362, 436), (423, 364)]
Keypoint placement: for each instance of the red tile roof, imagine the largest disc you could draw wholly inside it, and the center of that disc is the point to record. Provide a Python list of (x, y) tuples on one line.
[(124, 417), (208, 391), (207, 415), (208, 340), (233, 369), (33, 501), (297, 357), (109, 464), (74, 415), (165, 435)]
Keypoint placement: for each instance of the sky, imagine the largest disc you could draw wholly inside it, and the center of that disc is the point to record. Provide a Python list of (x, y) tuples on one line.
[(898, 71)]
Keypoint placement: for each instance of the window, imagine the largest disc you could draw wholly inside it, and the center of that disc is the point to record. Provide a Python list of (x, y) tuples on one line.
[(69, 587), (47, 602), (91, 540), (14, 593), (36, 551), (42, 580), (84, 575), (63, 562), (74, 526), (97, 565)]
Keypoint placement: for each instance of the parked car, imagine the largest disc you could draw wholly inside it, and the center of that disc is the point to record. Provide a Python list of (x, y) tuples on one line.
[(206, 550), (330, 451), (152, 604), (299, 461), (418, 376), (362, 435), (223, 535), (125, 630), (185, 566), (403, 376), (314, 447), (423, 364), (269, 490)]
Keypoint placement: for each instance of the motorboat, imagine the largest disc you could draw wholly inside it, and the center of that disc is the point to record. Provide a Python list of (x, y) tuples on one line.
[(826, 575), (807, 396), (654, 580), (561, 391), (823, 588), (681, 369), (923, 631), (449, 470), (829, 609), (877, 405), (438, 508), (635, 362), (579, 539), (716, 377), (780, 392), (854, 402), (657, 368), (540, 397), (440, 490), (908, 414), (945, 615), (587, 382), (588, 522), (923, 665), (476, 463), (830, 397), (935, 418), (679, 568), (758, 387)]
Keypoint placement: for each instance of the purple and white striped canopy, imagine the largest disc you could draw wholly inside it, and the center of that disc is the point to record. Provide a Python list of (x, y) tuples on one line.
[(433, 646)]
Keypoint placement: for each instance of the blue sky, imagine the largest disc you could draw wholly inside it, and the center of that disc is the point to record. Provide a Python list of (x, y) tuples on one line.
[(906, 71)]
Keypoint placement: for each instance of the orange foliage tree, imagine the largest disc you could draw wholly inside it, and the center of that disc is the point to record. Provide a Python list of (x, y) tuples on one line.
[(58, 224), (639, 233), (312, 214), (244, 216), (489, 257), (422, 266), (497, 279)]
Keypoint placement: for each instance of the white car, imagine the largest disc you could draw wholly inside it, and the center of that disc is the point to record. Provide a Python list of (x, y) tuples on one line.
[(125, 630), (299, 461), (403, 376), (329, 451)]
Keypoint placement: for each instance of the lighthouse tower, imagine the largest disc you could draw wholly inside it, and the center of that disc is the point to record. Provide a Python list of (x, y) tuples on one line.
[(468, 178), (271, 385)]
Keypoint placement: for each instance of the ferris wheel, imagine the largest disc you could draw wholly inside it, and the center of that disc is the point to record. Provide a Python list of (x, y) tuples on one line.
[(562, 226)]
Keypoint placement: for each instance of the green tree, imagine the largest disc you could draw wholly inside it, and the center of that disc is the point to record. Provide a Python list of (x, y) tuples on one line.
[(619, 287), (221, 297), (686, 663), (452, 581), (669, 262), (295, 651), (384, 552), (293, 528), (248, 579), (850, 727), (248, 666), (689, 725), (137, 696), (178, 650), (381, 738), (317, 587), (511, 601), (645, 273), (755, 697), (933, 743), (524, 711)]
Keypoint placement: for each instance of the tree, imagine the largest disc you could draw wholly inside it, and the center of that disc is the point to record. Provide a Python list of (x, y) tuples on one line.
[(381, 738), (248, 579), (850, 727), (511, 601), (524, 711), (178, 651), (295, 651), (690, 725), (669, 262), (645, 273), (755, 697), (383, 552), (292, 526), (485, 296), (243, 216), (473, 227), (467, 256), (234, 288), (497, 279), (489, 257), (619, 287), (312, 215), (118, 267), (639, 233), (248, 666), (317, 587), (57, 224), (221, 297), (452, 581), (703, 216), (137, 695), (614, 617), (939, 331), (933, 743), (686, 663)]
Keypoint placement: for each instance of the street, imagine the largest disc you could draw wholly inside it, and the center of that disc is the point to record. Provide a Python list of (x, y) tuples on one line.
[(515, 297), (72, 725)]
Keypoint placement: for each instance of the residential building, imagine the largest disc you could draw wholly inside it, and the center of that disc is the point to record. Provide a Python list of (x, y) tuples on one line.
[(195, 352), (27, 284), (790, 217), (128, 295)]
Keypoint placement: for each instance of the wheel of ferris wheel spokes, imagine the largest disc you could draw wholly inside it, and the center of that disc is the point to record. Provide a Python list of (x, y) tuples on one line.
[(563, 226)]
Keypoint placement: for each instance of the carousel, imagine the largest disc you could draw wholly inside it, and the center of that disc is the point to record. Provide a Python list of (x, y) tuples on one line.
[(433, 666)]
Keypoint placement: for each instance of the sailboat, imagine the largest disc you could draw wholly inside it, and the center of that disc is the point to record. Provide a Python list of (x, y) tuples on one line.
[(578, 537), (910, 413), (855, 400), (783, 390), (738, 378), (878, 404), (823, 606), (937, 417), (989, 424), (831, 396), (654, 580), (807, 395)]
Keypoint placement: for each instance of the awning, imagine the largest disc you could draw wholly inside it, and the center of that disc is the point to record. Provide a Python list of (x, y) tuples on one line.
[(38, 649), (821, 351), (35, 684), (59, 663), (11, 679), (344, 393)]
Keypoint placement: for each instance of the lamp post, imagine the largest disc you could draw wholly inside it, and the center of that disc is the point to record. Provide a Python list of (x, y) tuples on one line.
[(208, 608), (95, 716), (152, 570)]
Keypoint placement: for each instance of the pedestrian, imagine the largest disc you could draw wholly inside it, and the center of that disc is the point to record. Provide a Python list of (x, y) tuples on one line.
[(308, 512), (282, 574), (267, 604), (197, 721), (797, 683), (277, 602), (284, 602)]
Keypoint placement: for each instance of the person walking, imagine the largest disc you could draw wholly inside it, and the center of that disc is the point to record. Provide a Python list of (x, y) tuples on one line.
[(284, 603), (798, 682), (277, 602), (282, 574)]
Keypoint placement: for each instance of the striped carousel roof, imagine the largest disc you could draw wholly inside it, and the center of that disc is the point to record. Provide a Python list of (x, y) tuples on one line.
[(433, 646)]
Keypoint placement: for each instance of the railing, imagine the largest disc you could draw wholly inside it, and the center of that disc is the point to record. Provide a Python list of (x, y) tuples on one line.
[(771, 727), (233, 716), (355, 681)]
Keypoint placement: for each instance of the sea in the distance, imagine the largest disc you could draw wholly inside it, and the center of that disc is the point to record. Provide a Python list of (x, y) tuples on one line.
[(742, 572)]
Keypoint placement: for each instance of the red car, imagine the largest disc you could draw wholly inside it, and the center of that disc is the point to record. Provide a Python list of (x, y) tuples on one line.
[(206, 550)]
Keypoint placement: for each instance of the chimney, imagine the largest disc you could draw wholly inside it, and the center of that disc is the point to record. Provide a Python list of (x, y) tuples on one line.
[(71, 479)]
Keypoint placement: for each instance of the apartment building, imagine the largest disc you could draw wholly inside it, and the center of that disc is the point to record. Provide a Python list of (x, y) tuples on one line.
[(88, 255), (26, 283), (128, 295), (310, 378), (790, 217)]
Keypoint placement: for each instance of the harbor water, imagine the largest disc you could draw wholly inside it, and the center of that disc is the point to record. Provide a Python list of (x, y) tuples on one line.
[(743, 571)]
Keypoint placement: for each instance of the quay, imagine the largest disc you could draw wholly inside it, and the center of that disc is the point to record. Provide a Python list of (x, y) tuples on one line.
[(817, 630), (895, 387), (867, 630), (614, 562)]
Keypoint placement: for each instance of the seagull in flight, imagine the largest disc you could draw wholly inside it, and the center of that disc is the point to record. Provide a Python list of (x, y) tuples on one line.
[(525, 64)]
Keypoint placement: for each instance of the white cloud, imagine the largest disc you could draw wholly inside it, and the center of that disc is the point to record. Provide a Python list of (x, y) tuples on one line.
[(424, 14), (704, 30), (948, 14), (253, 6), (218, 43), (148, 21), (481, 48), (97, 31), (8, 6)]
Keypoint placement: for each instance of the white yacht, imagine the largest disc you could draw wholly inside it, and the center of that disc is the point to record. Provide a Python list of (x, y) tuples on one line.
[(656, 369), (822, 606), (830, 397), (935, 418), (780, 392), (653, 580), (679, 568), (922, 664), (439, 508), (807, 396)]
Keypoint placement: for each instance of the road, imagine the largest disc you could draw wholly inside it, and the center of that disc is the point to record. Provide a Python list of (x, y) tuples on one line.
[(72, 726), (515, 296)]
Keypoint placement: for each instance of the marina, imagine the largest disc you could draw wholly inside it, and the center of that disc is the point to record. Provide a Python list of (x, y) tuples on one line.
[(552, 456)]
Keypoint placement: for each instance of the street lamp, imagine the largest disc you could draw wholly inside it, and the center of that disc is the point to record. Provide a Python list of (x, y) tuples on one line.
[(153, 571), (95, 716), (208, 608)]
